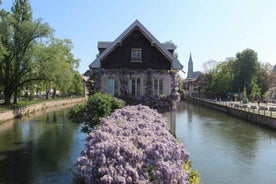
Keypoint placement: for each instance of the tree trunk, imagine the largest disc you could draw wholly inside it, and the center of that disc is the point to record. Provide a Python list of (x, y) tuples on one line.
[(7, 99), (54, 93), (15, 97), (47, 94)]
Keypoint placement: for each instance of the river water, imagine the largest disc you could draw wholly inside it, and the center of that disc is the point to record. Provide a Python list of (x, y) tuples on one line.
[(224, 149), (40, 150)]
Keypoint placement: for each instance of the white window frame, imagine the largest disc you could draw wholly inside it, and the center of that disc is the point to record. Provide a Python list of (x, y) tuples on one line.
[(138, 83), (160, 83), (136, 55), (113, 86)]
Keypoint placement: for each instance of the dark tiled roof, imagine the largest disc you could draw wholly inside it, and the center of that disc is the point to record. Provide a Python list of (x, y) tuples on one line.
[(112, 45), (104, 45)]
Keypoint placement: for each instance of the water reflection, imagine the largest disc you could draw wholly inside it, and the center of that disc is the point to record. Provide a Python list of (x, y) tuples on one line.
[(222, 144), (41, 150)]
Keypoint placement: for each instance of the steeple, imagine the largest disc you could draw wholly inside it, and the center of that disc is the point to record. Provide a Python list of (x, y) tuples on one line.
[(190, 67)]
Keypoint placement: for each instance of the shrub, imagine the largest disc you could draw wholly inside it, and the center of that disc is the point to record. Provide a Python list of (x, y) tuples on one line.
[(133, 145), (98, 106), (76, 113)]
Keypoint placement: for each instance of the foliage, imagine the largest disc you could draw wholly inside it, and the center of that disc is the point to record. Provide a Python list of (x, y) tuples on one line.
[(244, 93), (76, 86), (76, 113), (244, 71), (180, 87), (133, 145), (255, 92), (194, 176), (222, 78), (98, 106), (18, 34), (265, 77), (246, 68), (29, 61), (63, 76)]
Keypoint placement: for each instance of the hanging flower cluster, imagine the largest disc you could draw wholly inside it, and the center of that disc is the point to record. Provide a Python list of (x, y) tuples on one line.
[(175, 96), (133, 145)]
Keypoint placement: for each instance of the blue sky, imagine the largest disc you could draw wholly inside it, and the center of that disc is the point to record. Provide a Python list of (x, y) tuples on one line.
[(209, 29)]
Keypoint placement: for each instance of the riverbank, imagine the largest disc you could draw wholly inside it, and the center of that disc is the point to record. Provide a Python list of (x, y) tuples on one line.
[(26, 110), (259, 117)]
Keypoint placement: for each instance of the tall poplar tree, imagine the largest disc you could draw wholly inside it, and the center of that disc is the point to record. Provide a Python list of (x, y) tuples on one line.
[(18, 35)]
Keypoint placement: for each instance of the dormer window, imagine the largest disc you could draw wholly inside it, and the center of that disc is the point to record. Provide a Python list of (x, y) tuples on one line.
[(136, 55)]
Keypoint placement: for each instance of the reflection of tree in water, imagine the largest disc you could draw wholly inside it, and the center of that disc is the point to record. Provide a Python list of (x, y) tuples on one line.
[(54, 117), (42, 151)]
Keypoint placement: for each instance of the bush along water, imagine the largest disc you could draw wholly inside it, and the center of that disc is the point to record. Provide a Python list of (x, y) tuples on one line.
[(98, 106), (133, 145)]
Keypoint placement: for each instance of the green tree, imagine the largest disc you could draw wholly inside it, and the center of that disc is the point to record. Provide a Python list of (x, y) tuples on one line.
[(58, 67), (255, 92), (244, 93), (18, 34), (76, 87), (264, 77), (245, 70), (222, 77)]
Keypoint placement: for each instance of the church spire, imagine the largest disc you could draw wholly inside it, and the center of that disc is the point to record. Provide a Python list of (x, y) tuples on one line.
[(190, 59), (190, 67)]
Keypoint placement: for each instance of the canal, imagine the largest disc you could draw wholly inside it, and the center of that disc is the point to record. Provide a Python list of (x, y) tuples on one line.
[(40, 150), (223, 149)]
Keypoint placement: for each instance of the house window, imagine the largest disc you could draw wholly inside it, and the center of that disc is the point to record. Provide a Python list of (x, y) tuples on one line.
[(113, 86), (158, 87), (136, 55), (136, 87)]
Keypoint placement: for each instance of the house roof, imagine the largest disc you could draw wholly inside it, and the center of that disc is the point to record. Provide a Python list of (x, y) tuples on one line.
[(136, 24), (104, 45)]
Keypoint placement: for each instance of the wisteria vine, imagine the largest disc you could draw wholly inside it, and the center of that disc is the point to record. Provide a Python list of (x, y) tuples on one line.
[(133, 145), (162, 104)]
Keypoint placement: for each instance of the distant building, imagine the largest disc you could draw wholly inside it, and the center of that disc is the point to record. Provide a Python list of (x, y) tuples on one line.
[(192, 84), (191, 73), (87, 83)]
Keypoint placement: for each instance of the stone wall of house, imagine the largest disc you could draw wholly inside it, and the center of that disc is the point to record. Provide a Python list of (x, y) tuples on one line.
[(22, 111), (167, 80)]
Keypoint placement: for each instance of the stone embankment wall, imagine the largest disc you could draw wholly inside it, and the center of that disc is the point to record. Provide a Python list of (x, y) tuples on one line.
[(247, 116), (22, 111)]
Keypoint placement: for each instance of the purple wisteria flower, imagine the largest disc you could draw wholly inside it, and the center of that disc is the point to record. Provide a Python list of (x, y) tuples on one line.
[(133, 145)]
